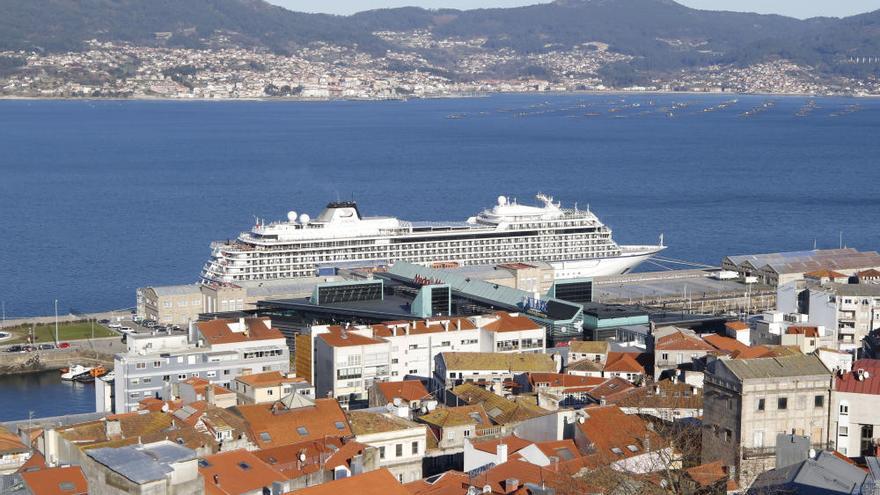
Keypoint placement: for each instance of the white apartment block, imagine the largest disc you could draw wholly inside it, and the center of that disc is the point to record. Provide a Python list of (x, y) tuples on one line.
[(348, 360), (855, 401), (218, 351)]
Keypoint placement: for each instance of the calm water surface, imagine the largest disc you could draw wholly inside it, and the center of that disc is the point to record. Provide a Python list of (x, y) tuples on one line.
[(100, 197)]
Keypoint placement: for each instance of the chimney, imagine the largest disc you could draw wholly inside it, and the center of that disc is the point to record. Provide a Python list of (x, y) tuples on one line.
[(458, 324), (217, 479), (510, 485), (210, 394), (501, 453)]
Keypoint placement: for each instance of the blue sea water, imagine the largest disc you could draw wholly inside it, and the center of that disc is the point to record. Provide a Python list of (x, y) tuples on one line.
[(100, 197)]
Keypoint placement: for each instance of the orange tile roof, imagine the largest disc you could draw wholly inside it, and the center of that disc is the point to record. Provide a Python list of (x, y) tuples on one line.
[(267, 379), (36, 461), (872, 273), (339, 337), (431, 325), (378, 482), (553, 448), (283, 425), (824, 273), (506, 322), (623, 362), (613, 433), (725, 344), (200, 386), (218, 331), (448, 483), (737, 325), (237, 472), (408, 390), (681, 341), (50, 481), (513, 442), (286, 458), (707, 475), (612, 389), (10, 443), (565, 381), (153, 404), (805, 330)]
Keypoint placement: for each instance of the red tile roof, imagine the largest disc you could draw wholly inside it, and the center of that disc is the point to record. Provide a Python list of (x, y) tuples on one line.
[(850, 382), (323, 454), (724, 344), (707, 475), (448, 483), (872, 273), (218, 331), (565, 381), (237, 472), (506, 322), (11, 443), (283, 426), (737, 325), (681, 341), (623, 362), (513, 442), (378, 482), (36, 461), (612, 390), (617, 435), (408, 390), (56, 481), (804, 330), (267, 379), (340, 337), (824, 273)]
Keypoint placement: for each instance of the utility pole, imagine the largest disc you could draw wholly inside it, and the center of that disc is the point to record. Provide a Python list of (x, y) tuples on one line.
[(56, 321), (3, 321)]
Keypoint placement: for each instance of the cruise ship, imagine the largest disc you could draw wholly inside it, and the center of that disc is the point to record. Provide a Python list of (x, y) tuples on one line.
[(573, 241)]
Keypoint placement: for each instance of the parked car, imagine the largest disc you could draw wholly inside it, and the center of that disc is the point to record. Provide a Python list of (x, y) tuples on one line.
[(63, 345), (114, 325), (46, 347), (14, 348), (104, 322), (125, 329), (28, 348)]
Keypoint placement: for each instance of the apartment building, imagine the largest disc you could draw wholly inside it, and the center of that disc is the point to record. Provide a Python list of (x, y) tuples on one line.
[(349, 360), (747, 402), (492, 369), (855, 401), (675, 348), (219, 351), (848, 312), (401, 443), (256, 388)]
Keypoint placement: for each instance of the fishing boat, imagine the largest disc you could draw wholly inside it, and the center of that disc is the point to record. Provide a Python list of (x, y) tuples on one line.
[(75, 371)]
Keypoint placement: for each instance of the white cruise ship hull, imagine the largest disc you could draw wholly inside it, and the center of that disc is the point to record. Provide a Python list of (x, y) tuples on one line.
[(631, 257)]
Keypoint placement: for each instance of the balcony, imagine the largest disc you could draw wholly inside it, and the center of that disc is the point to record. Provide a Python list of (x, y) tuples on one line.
[(759, 452)]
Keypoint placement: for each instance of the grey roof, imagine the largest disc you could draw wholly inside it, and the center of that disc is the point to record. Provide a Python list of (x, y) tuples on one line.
[(460, 283), (827, 474), (855, 290), (143, 463), (285, 287), (807, 261), (176, 290), (776, 367)]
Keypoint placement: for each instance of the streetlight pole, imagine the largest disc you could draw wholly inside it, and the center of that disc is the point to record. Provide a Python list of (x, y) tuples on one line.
[(56, 321)]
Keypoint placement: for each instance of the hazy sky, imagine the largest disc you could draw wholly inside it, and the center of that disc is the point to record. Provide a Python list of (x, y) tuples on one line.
[(794, 8)]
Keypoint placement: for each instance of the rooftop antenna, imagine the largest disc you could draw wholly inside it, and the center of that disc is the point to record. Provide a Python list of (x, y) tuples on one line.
[(841, 240), (814, 244)]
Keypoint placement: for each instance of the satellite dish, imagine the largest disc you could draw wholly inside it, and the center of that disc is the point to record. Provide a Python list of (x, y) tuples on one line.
[(291, 216), (502, 201), (304, 219)]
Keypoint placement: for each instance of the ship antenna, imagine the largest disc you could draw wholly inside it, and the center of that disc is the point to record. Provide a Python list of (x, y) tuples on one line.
[(575, 206)]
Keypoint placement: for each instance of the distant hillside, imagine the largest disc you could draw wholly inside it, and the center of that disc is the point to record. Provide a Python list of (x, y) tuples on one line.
[(661, 34), (64, 24)]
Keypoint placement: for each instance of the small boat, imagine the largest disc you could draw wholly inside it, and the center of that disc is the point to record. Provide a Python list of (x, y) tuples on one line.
[(75, 371)]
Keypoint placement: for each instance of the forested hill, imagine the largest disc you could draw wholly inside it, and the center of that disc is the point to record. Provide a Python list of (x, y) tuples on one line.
[(661, 34)]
